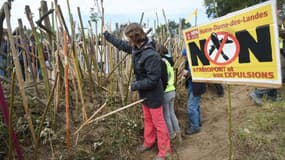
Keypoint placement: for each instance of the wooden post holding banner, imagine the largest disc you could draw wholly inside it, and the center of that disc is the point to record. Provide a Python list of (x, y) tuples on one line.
[(240, 48), (230, 133)]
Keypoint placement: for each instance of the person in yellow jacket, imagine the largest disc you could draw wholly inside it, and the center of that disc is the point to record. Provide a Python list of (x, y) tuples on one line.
[(169, 95)]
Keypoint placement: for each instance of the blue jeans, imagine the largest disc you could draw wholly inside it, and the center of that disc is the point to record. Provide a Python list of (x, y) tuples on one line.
[(2, 65), (271, 93), (257, 95), (193, 109)]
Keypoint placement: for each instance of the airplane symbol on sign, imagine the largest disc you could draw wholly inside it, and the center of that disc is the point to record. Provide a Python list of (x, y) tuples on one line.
[(216, 45)]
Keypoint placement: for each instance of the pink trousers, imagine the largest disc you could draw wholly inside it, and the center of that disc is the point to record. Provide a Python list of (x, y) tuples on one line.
[(155, 128)]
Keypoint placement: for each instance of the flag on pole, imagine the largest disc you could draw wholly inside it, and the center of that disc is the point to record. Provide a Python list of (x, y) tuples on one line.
[(191, 15)]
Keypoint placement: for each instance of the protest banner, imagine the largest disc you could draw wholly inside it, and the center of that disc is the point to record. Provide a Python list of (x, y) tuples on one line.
[(239, 48)]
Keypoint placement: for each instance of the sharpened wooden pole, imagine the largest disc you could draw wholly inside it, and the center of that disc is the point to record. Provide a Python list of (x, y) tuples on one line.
[(78, 73), (91, 117), (115, 111), (39, 49), (65, 50), (19, 74), (26, 47)]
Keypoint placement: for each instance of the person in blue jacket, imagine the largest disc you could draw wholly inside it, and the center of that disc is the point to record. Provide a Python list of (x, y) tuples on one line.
[(195, 90)]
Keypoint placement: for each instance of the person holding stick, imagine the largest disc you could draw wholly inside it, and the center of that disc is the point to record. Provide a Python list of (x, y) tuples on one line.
[(147, 69)]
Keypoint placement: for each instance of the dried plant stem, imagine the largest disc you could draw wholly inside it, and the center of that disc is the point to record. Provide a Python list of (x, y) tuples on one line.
[(78, 73), (45, 112), (141, 19), (129, 81), (65, 48), (75, 93), (39, 49), (121, 86), (47, 105), (115, 111), (44, 10), (19, 74), (111, 64), (8, 121), (58, 82), (61, 19), (23, 40), (90, 118), (11, 107), (117, 66), (91, 88), (103, 40)]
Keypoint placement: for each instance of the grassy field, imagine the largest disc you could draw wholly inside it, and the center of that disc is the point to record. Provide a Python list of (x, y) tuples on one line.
[(261, 136)]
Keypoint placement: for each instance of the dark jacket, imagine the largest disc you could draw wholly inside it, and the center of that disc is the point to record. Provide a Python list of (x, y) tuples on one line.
[(169, 59), (197, 88), (147, 70), (164, 74)]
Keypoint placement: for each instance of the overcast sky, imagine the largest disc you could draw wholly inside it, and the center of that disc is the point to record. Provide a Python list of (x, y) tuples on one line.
[(121, 11)]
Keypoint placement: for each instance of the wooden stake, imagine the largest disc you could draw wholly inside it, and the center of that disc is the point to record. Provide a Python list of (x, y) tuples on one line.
[(91, 82), (65, 49), (39, 51), (26, 47), (141, 20), (19, 74), (12, 135), (117, 110), (89, 119), (77, 67), (45, 113)]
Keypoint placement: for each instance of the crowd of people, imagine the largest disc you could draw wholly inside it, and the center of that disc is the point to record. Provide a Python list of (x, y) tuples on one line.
[(158, 92), (154, 81), (29, 62)]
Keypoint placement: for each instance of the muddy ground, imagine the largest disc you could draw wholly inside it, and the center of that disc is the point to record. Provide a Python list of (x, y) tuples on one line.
[(212, 143)]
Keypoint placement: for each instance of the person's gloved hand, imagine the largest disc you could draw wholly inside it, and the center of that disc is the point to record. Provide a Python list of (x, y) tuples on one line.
[(133, 86)]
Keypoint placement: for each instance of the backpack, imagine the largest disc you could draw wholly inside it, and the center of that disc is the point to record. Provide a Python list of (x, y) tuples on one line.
[(164, 75)]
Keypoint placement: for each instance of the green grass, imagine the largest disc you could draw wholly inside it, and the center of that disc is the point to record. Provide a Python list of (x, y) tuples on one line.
[(262, 136)]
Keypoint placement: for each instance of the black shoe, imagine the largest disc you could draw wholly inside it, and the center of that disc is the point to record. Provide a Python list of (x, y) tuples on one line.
[(220, 94), (191, 131), (219, 90)]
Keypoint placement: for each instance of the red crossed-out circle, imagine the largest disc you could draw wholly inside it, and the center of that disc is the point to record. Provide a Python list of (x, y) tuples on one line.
[(231, 50)]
